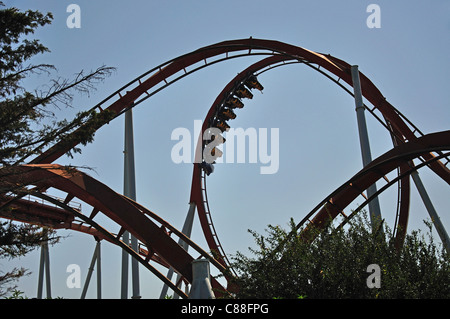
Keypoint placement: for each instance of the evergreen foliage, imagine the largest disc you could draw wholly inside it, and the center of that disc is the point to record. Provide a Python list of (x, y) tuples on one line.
[(29, 123), (27, 117)]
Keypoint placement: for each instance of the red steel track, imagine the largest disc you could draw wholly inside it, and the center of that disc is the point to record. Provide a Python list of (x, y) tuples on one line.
[(151, 230), (155, 233)]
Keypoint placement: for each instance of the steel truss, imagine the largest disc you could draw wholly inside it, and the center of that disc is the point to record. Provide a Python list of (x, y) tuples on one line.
[(162, 243)]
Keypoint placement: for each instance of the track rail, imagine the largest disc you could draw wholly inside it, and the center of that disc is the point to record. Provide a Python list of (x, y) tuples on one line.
[(333, 66), (198, 195), (150, 229), (399, 156), (326, 64), (154, 232), (148, 81)]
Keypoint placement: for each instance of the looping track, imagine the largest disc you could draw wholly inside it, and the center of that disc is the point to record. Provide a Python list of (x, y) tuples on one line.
[(155, 233)]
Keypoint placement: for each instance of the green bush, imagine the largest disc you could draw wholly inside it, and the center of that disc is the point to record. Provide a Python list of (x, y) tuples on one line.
[(334, 265)]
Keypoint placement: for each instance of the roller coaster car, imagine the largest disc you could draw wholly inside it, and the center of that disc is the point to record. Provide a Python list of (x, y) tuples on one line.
[(234, 102), (222, 125), (243, 92), (227, 114), (252, 83), (207, 168)]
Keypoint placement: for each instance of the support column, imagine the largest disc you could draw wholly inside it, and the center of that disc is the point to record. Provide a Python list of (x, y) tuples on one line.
[(431, 211), (125, 272), (374, 205), (99, 271), (44, 266), (95, 259), (201, 283), (130, 192), (187, 230)]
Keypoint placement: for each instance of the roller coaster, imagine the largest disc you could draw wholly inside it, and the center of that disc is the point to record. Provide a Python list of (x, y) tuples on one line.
[(159, 242)]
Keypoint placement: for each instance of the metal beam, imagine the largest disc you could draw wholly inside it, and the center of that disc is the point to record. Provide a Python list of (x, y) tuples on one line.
[(124, 276), (130, 192), (374, 205), (145, 224), (431, 211), (187, 230), (95, 259), (44, 267), (201, 284)]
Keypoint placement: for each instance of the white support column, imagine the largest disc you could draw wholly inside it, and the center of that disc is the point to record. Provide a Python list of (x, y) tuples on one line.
[(187, 230), (95, 259), (187, 227), (374, 205), (44, 266), (431, 211), (99, 270), (201, 283), (130, 192), (41, 273), (124, 276)]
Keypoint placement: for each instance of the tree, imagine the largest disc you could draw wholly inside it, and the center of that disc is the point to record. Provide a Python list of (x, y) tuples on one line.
[(28, 120), (17, 240), (335, 265)]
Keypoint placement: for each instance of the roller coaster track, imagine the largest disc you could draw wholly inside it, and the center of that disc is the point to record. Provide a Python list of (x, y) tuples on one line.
[(151, 230), (198, 191), (154, 232)]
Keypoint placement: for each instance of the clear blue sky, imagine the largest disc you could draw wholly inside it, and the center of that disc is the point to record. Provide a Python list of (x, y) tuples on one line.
[(407, 59)]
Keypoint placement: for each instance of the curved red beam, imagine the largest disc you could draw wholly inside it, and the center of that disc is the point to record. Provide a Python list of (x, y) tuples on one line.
[(42, 214), (399, 156), (404, 195), (129, 215), (328, 62), (196, 186), (331, 64), (281, 51), (125, 213), (200, 201)]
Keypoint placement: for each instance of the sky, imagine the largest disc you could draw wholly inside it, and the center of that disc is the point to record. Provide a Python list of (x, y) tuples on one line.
[(406, 58)]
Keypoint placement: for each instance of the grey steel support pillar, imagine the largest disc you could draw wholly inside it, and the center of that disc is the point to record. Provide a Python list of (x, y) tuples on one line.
[(95, 259), (431, 211), (99, 271), (125, 272), (130, 192), (44, 266), (374, 205), (201, 283), (187, 227), (187, 230)]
